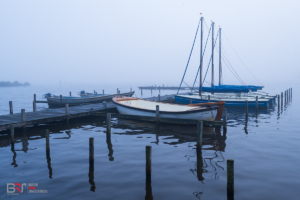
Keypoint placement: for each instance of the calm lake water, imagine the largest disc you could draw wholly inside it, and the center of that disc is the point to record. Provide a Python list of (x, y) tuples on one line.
[(265, 151)]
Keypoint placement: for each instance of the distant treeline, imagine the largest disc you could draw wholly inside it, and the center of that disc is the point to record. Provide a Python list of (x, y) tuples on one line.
[(13, 84)]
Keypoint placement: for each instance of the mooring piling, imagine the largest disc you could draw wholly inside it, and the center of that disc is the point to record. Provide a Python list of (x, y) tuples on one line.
[(256, 106), (281, 99), (246, 108), (70, 94), (284, 97), (278, 96), (230, 178), (34, 103), (108, 123), (11, 111), (94, 91), (148, 161), (158, 97), (67, 109), (91, 151), (91, 164), (12, 133), (103, 91), (157, 113), (47, 140), (23, 117), (199, 134)]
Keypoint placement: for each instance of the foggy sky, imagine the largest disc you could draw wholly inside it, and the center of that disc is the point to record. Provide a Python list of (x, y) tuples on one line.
[(144, 42)]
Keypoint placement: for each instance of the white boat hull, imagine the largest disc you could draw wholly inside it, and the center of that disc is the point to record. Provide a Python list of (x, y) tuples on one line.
[(207, 115)]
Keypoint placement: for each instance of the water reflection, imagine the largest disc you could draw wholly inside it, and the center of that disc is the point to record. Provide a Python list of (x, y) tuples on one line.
[(109, 146), (208, 158), (14, 163)]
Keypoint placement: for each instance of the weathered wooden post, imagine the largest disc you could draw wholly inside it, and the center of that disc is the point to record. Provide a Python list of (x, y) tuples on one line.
[(34, 103), (70, 94), (23, 117), (281, 99), (208, 98), (191, 101), (60, 97), (67, 109), (91, 151), (278, 96), (11, 111), (246, 108), (91, 164), (199, 134), (148, 161), (148, 174), (34, 106), (158, 97), (230, 178), (47, 141), (256, 106), (108, 123), (157, 113), (12, 133), (284, 97)]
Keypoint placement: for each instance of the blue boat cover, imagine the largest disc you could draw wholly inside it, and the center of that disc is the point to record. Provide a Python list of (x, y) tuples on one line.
[(231, 88)]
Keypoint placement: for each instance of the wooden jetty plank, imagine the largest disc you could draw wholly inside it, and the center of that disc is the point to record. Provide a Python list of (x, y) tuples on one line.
[(50, 115), (161, 119)]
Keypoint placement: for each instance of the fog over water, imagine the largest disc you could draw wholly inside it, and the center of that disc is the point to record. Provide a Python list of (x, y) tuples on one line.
[(144, 42)]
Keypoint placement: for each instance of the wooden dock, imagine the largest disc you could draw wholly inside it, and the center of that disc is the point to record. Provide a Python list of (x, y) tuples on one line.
[(100, 109), (50, 115)]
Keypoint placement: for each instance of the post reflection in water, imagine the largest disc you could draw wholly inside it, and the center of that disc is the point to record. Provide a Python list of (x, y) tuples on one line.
[(109, 146), (48, 153), (212, 141), (14, 163)]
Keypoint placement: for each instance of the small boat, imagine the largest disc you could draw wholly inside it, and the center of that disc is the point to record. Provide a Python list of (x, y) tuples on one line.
[(60, 101), (140, 107), (230, 101)]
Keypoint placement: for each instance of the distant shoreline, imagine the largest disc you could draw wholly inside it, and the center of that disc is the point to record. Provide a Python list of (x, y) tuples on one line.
[(13, 84)]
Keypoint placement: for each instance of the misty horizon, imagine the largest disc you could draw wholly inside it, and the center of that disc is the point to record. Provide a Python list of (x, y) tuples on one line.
[(144, 43)]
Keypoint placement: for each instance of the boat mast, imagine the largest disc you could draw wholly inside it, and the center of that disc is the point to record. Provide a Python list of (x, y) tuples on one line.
[(220, 63), (201, 58), (212, 55)]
